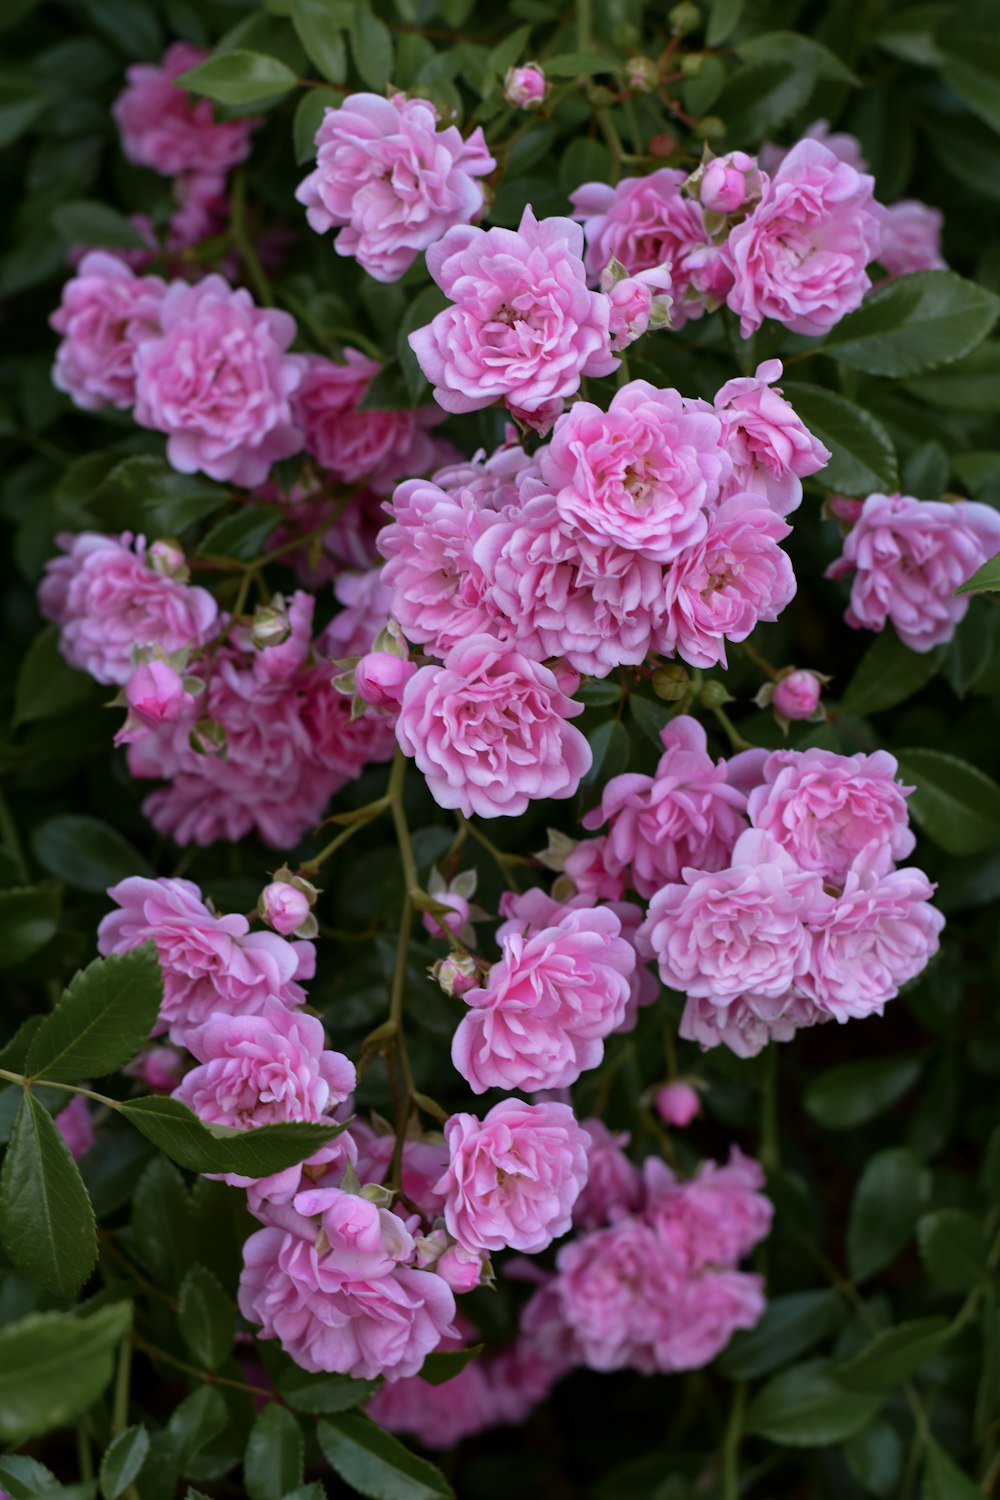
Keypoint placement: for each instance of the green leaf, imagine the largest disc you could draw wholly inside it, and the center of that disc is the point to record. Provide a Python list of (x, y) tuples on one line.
[(915, 323), (322, 1395), (858, 1092), (18, 112), (274, 1456), (650, 716), (790, 1325), (895, 1354), (506, 53), (198, 1419), (179, 1133), (875, 1457), (53, 1366), (807, 1407), (309, 114), (910, 34), (970, 384), (86, 852), (371, 47), (25, 1478), (46, 1221), (599, 694), (317, 25), (89, 223), (609, 744), (123, 1460), (944, 1480), (206, 1317), (575, 64), (161, 1223), (972, 68), (239, 77), (862, 458), (723, 19), (105, 1014), (46, 685), (955, 804), (29, 917), (242, 534), (953, 1249), (797, 51), (887, 674), (985, 579), (424, 307), (376, 1464), (884, 1211), (143, 491), (762, 96), (438, 1369)]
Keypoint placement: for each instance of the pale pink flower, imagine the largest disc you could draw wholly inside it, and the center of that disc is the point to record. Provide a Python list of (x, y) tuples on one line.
[(424, 1159), (155, 694), (523, 328), (209, 963), (202, 209), (749, 1022), (76, 1126), (547, 1006), (391, 181), (677, 1104), (686, 815), (712, 1219), (845, 147), (489, 731), (908, 558), (525, 87), (284, 907), (797, 695), (637, 302), (171, 131), (728, 183), (105, 313), (492, 479), (380, 677), (800, 257), (219, 382), (587, 866), (106, 599), (324, 1169), (160, 1069), (513, 1176), (911, 237), (617, 1295), (438, 1416), (771, 448), (614, 1182), (366, 602)]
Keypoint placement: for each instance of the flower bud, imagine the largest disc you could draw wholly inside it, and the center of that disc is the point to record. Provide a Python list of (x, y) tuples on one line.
[(638, 302), (160, 1069), (155, 694), (167, 557), (714, 694), (677, 1104), (671, 683), (710, 128), (642, 76), (797, 695), (462, 1269), (525, 87), (726, 184), (662, 145), (456, 974), (271, 625), (284, 908), (380, 677), (693, 64), (684, 18), (843, 508)]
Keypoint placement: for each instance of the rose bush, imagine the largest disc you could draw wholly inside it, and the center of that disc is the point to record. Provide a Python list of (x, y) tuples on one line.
[(514, 969)]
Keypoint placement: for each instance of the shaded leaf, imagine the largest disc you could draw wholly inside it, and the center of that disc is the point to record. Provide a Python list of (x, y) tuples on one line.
[(53, 1366), (955, 803), (806, 1406), (105, 1014), (377, 1464), (46, 1221), (915, 323)]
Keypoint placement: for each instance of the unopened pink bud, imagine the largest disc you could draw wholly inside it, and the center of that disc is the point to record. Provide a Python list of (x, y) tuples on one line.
[(844, 508), (797, 695), (677, 1104), (662, 145), (525, 87), (160, 1069), (460, 1268), (155, 694), (456, 974), (284, 907), (167, 557), (380, 677), (455, 919)]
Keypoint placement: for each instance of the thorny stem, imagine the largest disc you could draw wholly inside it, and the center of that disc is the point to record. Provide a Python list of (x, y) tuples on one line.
[(503, 861)]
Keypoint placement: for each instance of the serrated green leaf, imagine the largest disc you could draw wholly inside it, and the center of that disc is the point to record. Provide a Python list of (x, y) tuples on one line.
[(86, 852), (46, 684), (888, 674), (25, 1478), (506, 53), (439, 1368), (969, 384), (198, 1419), (915, 323), (762, 96), (241, 535), (53, 1366), (239, 77), (273, 1462), (89, 223), (857, 1092), (105, 1014), (161, 1223), (797, 51), (895, 1354), (322, 1395), (723, 19), (884, 1211), (953, 1249), (985, 579), (206, 1317), (309, 114), (376, 1464), (123, 1461), (944, 1480), (371, 47), (29, 918), (259, 1152), (806, 1406), (862, 458), (46, 1222), (955, 803)]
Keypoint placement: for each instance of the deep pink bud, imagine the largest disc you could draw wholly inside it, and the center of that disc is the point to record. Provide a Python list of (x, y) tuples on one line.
[(525, 87), (155, 694), (677, 1104), (797, 695), (283, 907), (380, 677)]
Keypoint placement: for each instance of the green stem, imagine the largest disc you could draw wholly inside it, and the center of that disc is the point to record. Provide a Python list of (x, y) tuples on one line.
[(731, 1445), (372, 811), (84, 1456), (397, 777), (10, 836), (123, 1383), (503, 861), (237, 221), (584, 26), (67, 1088), (736, 740), (208, 1376)]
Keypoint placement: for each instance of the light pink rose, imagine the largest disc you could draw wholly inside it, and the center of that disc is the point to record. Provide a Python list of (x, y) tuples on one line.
[(167, 129), (748, 1023), (722, 588), (76, 1126), (541, 1019), (639, 475), (202, 209), (391, 181), (106, 599), (908, 557), (523, 327), (489, 731), (845, 147), (438, 1416), (911, 237), (155, 694), (492, 479), (800, 257), (424, 1159), (708, 1311), (380, 677), (614, 1182), (677, 1104), (729, 183), (209, 963), (719, 934), (587, 866), (616, 1294), (797, 695), (513, 1176), (367, 604), (686, 815), (525, 87), (824, 808), (324, 1169), (637, 302), (771, 448), (284, 907), (219, 382), (712, 1219), (105, 313)]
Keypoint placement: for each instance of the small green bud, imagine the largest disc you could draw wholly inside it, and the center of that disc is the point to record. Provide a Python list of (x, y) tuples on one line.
[(671, 683), (692, 64), (684, 18), (711, 127), (714, 694)]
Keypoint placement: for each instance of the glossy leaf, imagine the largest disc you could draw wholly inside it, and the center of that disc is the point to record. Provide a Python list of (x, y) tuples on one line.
[(273, 1463), (915, 323), (376, 1464), (806, 1406), (86, 852), (105, 1014), (207, 1318), (240, 77), (985, 579), (123, 1461), (46, 1221), (322, 1395), (953, 1249), (887, 675), (855, 1093), (178, 1132), (862, 456), (884, 1211), (53, 1366), (955, 803), (895, 1354)]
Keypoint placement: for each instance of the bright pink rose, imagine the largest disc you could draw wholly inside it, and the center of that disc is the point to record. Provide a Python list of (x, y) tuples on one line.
[(324, 1169), (911, 237), (547, 1005), (709, 1309), (800, 257), (687, 814), (219, 382), (614, 1182), (587, 867), (640, 474), (106, 599), (725, 586), (209, 963), (76, 1126), (525, 87), (771, 448), (424, 1159), (284, 907), (908, 557), (645, 222), (488, 730), (637, 302), (713, 1219), (334, 1286), (380, 677), (677, 1104), (825, 808), (797, 695), (514, 1176), (749, 1022), (491, 479), (105, 314), (391, 181), (739, 929), (524, 328), (167, 129)]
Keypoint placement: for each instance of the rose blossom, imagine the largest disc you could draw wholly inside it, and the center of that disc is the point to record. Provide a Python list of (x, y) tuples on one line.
[(523, 326), (106, 599), (105, 314), (209, 963), (749, 1022), (616, 1294), (640, 474), (845, 147), (159, 1068), (677, 1104), (613, 1181), (797, 695), (488, 730), (380, 677), (324, 1168), (525, 87), (638, 303), (800, 257), (728, 183), (391, 181), (284, 907), (155, 694), (687, 814), (163, 127), (424, 1159), (438, 1416), (513, 1176), (76, 1126), (219, 382), (541, 1019), (771, 448), (908, 558), (911, 237), (714, 1218)]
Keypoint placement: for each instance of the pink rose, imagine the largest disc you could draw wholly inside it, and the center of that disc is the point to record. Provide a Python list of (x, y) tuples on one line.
[(525, 87), (797, 695), (541, 1019), (75, 1125), (202, 209), (908, 557), (911, 237), (284, 907), (616, 1294), (748, 1023), (105, 314), (771, 448), (160, 1069), (639, 475), (729, 183), (637, 302), (167, 129), (325, 1168), (587, 866), (514, 1176), (488, 730), (380, 677), (677, 1104), (219, 382), (845, 147), (800, 257), (523, 327), (614, 1182), (438, 1416), (424, 1159), (391, 181), (107, 599), (713, 1219), (156, 694)]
